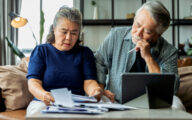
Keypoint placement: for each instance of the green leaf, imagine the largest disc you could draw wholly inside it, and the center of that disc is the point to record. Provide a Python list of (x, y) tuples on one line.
[(93, 2), (16, 51), (189, 52), (42, 21)]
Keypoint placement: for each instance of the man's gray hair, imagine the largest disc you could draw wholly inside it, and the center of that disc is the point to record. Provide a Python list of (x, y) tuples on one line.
[(159, 13), (71, 14)]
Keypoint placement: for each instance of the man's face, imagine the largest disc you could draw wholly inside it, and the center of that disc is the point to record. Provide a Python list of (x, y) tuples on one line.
[(144, 28)]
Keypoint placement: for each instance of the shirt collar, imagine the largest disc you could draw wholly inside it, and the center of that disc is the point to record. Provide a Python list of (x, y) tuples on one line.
[(128, 36), (155, 50)]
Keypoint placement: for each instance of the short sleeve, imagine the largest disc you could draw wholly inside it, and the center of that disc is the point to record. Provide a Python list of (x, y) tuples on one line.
[(36, 66), (89, 67)]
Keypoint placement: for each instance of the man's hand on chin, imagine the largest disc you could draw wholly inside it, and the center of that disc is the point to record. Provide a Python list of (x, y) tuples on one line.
[(144, 47)]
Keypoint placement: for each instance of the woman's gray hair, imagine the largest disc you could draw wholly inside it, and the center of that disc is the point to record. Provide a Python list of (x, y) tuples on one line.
[(159, 13), (71, 14)]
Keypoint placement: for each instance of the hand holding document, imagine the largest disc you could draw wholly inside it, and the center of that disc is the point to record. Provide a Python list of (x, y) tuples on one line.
[(62, 97)]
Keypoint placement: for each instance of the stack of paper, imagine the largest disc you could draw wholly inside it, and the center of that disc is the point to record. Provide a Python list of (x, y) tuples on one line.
[(75, 110), (66, 102)]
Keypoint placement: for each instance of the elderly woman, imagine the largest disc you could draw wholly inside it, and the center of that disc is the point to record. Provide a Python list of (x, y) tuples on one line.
[(61, 62)]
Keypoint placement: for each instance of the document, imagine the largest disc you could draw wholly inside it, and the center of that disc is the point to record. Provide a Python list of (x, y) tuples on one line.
[(66, 102), (74, 110), (62, 97), (80, 98), (106, 105)]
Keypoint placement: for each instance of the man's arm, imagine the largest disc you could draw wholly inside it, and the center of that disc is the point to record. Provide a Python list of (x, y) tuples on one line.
[(152, 65), (144, 48), (103, 58), (168, 63)]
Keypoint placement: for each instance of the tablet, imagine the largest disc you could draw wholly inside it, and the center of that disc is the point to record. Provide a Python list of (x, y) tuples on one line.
[(158, 87)]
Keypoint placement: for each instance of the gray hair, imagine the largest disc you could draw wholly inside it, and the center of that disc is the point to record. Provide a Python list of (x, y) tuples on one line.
[(71, 14), (159, 13)]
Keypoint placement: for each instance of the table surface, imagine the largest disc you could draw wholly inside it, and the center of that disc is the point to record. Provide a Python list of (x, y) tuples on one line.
[(140, 114)]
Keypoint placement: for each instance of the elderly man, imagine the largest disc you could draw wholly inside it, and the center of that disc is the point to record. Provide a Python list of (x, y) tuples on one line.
[(150, 52)]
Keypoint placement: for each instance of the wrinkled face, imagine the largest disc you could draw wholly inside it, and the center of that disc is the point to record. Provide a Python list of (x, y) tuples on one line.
[(66, 34), (144, 28)]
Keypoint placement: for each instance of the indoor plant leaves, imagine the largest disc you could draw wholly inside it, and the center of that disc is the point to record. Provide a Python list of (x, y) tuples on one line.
[(14, 48)]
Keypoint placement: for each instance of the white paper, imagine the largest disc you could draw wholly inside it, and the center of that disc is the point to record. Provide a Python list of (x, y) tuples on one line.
[(106, 103), (78, 110), (80, 98), (62, 97), (65, 98)]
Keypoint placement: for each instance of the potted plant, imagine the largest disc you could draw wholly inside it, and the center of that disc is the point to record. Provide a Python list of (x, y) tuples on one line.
[(95, 10)]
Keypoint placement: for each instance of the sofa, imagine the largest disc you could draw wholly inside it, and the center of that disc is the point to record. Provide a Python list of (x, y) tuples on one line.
[(16, 96)]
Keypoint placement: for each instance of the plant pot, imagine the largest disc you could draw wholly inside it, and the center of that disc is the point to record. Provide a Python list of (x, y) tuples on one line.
[(95, 13)]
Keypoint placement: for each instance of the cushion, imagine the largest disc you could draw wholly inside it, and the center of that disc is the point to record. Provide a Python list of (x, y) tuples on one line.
[(13, 83), (185, 89), (184, 62)]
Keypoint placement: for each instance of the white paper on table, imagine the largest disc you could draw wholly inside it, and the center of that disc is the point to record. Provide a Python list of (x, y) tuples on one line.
[(62, 97), (106, 103), (80, 98)]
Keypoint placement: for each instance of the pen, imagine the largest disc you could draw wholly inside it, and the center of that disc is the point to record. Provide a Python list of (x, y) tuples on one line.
[(131, 50), (135, 47)]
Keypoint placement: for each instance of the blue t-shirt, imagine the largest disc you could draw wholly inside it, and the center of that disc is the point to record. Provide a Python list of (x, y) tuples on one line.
[(62, 69)]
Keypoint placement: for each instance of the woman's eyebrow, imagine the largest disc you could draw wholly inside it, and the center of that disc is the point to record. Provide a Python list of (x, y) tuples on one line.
[(74, 30)]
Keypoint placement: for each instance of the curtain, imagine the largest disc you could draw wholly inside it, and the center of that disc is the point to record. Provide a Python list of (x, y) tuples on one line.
[(7, 57)]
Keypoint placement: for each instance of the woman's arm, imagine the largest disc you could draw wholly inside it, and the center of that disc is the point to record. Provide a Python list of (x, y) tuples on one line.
[(92, 88), (36, 89)]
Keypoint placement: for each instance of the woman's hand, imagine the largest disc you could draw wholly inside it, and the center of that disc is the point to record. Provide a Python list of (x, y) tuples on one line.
[(110, 95), (48, 98), (97, 93)]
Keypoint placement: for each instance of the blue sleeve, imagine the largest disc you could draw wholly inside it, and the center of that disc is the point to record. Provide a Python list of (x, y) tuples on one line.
[(36, 66), (89, 67)]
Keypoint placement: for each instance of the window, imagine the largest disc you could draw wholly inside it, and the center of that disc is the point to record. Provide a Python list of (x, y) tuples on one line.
[(30, 9)]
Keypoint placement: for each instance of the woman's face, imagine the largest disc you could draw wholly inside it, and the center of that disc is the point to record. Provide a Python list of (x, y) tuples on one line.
[(66, 34)]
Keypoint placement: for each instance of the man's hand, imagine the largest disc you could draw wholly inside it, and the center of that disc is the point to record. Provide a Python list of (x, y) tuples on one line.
[(144, 47), (110, 95)]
